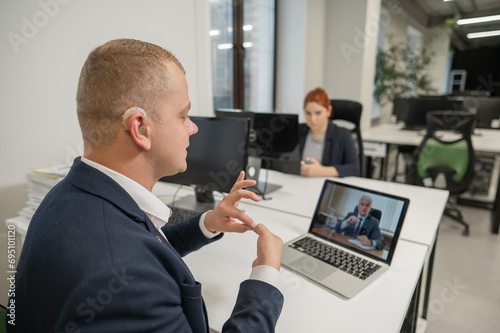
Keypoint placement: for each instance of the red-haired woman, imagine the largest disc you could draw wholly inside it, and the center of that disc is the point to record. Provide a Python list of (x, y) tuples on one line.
[(326, 149)]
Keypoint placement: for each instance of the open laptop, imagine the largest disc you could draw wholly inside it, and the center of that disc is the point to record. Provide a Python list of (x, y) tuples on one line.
[(331, 253)]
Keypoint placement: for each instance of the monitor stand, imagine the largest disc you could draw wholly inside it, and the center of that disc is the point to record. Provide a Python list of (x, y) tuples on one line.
[(266, 188), (263, 188), (201, 201)]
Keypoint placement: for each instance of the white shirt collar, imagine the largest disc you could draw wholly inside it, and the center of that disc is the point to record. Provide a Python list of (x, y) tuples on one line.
[(146, 200)]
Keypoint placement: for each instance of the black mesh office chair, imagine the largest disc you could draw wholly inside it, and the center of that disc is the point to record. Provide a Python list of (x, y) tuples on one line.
[(445, 157), (350, 111)]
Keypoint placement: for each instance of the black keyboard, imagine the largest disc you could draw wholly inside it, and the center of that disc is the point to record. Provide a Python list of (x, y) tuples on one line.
[(347, 262), (181, 214)]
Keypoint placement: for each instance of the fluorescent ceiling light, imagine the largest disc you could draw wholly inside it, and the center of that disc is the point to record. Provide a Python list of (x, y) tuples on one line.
[(247, 44), (478, 19), (247, 27), (214, 32), (483, 34)]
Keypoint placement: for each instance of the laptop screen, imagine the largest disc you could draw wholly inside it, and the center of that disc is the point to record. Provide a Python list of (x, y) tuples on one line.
[(359, 219)]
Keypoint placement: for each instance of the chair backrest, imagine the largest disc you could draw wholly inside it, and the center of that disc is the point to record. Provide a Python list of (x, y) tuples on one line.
[(376, 214), (3, 319), (350, 111), (445, 157)]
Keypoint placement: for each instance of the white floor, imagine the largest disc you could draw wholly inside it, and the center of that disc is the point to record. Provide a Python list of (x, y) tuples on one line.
[(465, 289)]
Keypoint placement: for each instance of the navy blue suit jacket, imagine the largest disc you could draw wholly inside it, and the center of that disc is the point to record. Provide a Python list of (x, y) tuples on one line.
[(339, 150), (370, 229), (92, 261)]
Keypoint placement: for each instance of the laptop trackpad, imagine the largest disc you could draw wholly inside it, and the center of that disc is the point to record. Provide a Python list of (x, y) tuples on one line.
[(313, 268)]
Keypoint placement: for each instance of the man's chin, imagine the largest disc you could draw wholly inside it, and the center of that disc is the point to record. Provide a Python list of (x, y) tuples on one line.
[(180, 170)]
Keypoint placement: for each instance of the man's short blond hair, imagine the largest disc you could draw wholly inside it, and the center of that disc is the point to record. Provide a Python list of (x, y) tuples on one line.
[(116, 76)]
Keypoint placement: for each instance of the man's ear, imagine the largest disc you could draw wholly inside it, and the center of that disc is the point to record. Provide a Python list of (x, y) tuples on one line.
[(139, 131)]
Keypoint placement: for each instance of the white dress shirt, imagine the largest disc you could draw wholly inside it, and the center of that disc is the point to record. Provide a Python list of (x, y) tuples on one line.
[(159, 213)]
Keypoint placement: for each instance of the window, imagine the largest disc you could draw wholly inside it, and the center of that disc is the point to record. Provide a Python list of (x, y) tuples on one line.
[(243, 53)]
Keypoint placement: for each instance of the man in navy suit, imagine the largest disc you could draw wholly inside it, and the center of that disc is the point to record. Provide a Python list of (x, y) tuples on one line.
[(362, 226), (99, 255)]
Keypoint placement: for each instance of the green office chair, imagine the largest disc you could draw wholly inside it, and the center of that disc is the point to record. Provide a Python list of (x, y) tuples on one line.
[(445, 157)]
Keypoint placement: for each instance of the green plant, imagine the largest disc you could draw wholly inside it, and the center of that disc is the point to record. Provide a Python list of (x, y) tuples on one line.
[(402, 72)]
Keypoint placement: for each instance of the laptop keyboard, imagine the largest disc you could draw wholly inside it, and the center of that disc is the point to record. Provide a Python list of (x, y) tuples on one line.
[(347, 262), (181, 214)]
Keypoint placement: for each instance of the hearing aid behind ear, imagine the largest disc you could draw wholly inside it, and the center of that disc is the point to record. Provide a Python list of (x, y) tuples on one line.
[(127, 115)]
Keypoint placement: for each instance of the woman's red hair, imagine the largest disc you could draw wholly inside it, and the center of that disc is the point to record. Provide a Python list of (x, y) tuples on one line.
[(319, 96)]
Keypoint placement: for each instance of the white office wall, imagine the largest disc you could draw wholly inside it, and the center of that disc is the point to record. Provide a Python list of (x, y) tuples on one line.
[(367, 81), (438, 70), (43, 46), (350, 53), (290, 69), (315, 45), (396, 32), (337, 51), (344, 50)]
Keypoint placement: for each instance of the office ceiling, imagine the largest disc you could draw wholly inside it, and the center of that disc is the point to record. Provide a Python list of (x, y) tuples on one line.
[(437, 11)]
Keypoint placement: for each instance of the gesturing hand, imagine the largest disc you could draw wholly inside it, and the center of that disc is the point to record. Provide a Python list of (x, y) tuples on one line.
[(352, 219), (223, 217), (269, 248)]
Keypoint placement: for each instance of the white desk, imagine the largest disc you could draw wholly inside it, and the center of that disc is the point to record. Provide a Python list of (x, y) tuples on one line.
[(484, 140), (288, 214), (307, 307), (299, 195)]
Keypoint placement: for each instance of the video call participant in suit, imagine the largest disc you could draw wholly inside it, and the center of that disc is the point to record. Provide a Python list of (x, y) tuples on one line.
[(321, 140), (362, 226), (99, 254)]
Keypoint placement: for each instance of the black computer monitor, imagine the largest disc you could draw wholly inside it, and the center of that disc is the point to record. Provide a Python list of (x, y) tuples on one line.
[(416, 109), (215, 156), (487, 109), (274, 138), (277, 141), (273, 143)]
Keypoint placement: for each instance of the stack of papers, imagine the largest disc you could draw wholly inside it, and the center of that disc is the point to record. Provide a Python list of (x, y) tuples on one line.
[(40, 181)]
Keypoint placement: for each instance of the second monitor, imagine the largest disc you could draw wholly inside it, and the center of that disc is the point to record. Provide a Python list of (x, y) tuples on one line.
[(215, 157), (273, 142), (274, 138)]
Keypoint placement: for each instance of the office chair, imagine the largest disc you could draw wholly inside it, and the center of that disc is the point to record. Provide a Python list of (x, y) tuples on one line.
[(376, 213), (3, 319), (445, 157), (350, 111)]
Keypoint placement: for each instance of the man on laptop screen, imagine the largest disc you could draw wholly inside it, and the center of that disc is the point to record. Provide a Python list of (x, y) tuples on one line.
[(346, 249), (362, 226)]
